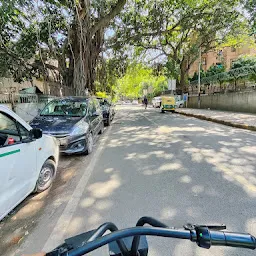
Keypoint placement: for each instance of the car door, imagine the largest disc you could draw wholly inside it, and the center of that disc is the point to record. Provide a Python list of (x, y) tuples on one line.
[(92, 117), (17, 162), (98, 116), (112, 110)]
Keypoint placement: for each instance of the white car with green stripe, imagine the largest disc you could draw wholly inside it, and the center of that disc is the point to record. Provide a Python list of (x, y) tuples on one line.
[(28, 160)]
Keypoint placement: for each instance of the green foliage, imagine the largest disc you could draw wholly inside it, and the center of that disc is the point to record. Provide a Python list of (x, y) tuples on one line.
[(215, 69), (250, 5), (244, 61), (137, 78), (29, 32), (108, 72), (194, 77), (172, 69), (177, 29), (101, 94), (32, 33)]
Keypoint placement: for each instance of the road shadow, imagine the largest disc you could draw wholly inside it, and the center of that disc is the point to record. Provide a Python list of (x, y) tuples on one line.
[(201, 173), (21, 221)]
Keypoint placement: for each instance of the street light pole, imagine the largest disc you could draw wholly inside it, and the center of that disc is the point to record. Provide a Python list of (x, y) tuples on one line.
[(199, 76)]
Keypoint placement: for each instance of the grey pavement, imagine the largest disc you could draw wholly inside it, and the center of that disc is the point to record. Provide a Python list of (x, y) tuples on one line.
[(172, 167), (242, 120)]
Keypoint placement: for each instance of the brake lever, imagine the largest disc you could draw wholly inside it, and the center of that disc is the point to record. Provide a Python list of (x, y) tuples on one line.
[(60, 250), (203, 238), (191, 227)]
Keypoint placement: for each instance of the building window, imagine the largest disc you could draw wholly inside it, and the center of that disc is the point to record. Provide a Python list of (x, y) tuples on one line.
[(204, 61)]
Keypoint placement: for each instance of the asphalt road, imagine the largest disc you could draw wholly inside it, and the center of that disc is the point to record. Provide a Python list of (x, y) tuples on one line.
[(174, 168)]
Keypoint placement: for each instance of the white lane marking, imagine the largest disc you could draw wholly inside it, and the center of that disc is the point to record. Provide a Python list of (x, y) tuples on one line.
[(57, 235), (150, 120)]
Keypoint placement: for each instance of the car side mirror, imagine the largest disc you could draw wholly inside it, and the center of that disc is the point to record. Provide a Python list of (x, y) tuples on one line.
[(36, 133)]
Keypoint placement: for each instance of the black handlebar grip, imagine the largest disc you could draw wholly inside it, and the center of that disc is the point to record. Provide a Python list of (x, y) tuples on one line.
[(233, 239)]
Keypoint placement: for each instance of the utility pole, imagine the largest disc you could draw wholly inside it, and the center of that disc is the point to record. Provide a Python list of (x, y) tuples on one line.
[(199, 76)]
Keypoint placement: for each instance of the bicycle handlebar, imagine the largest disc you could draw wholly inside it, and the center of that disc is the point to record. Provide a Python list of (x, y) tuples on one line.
[(221, 238), (202, 235)]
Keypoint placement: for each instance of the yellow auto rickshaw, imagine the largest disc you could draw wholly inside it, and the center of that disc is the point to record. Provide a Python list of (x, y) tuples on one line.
[(168, 104)]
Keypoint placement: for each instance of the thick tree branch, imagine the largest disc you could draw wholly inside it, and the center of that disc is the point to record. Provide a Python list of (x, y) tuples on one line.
[(21, 61), (159, 55), (104, 21), (39, 64)]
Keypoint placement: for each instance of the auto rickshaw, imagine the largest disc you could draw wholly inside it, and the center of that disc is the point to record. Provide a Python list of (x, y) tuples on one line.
[(168, 104)]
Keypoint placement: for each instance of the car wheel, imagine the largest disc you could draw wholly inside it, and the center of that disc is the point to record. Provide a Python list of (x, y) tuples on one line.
[(46, 176), (181, 106), (89, 143), (102, 128)]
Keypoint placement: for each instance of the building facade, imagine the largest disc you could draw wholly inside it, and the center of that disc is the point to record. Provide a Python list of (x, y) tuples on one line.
[(225, 57)]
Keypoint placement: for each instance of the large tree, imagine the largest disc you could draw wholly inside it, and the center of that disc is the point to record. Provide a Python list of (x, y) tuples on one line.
[(176, 29), (250, 5), (71, 32)]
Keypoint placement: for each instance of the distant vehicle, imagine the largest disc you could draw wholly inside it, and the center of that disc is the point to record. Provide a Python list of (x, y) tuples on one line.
[(179, 101), (168, 104), (74, 121), (119, 102), (156, 102), (108, 110), (127, 102), (28, 160)]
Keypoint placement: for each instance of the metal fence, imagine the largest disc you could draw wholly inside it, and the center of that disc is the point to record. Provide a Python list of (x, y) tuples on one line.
[(14, 98), (232, 74), (26, 106), (5, 98)]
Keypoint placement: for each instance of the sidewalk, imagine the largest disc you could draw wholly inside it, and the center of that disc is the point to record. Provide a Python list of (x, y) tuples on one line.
[(238, 120)]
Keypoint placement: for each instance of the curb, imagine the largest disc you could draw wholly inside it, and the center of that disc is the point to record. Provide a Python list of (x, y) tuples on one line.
[(228, 123)]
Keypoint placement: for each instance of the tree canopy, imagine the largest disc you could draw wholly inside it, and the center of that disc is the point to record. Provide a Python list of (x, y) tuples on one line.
[(176, 30), (250, 5), (84, 44), (33, 34), (244, 61), (138, 78)]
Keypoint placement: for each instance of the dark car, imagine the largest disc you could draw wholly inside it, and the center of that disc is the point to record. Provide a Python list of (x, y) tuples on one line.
[(108, 110), (74, 121)]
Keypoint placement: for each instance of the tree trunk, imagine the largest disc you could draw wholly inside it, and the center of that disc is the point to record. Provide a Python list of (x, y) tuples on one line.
[(86, 38), (183, 74), (86, 49)]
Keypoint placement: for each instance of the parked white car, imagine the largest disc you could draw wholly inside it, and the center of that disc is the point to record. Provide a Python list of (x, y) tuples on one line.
[(28, 160), (156, 102), (179, 102)]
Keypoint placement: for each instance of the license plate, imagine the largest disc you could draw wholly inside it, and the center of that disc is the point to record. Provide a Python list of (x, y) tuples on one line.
[(168, 106), (63, 141)]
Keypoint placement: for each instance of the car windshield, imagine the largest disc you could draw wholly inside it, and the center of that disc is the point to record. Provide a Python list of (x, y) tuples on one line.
[(65, 108)]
